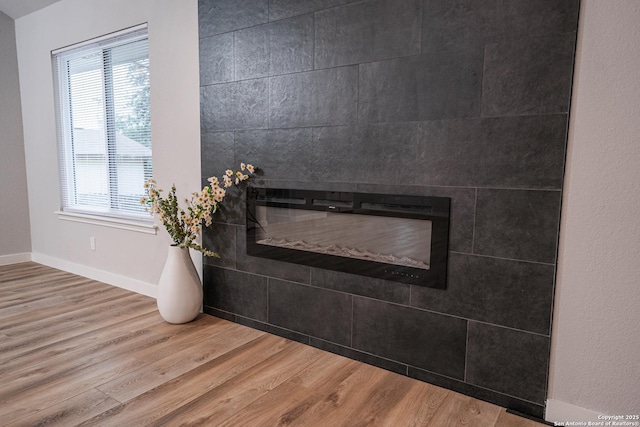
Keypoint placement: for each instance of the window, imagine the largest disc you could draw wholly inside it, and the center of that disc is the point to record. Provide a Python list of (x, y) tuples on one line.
[(104, 124)]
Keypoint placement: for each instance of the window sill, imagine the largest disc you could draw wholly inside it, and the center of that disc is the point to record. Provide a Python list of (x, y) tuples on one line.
[(105, 221)]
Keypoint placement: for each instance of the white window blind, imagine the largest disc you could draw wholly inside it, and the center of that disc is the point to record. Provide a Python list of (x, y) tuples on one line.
[(104, 124)]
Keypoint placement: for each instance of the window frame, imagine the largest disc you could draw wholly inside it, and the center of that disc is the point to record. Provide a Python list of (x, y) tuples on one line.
[(114, 215)]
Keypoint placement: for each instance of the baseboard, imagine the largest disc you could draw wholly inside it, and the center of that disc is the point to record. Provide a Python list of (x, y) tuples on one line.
[(15, 258), (123, 282), (560, 413)]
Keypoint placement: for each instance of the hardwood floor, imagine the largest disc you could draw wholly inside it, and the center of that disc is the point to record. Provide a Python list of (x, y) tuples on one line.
[(74, 351)]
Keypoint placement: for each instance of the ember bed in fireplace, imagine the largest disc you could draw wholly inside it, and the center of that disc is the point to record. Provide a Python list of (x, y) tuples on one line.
[(388, 236)]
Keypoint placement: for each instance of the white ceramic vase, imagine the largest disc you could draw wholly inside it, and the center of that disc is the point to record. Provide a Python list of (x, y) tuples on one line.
[(179, 289)]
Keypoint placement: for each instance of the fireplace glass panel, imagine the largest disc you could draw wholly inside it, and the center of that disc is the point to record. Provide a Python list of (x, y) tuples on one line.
[(391, 240)]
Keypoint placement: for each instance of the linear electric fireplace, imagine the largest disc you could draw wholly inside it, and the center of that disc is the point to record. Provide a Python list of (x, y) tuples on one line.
[(388, 236)]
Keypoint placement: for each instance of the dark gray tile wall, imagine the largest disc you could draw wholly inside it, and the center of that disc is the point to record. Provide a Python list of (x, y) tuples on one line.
[(466, 99), (300, 308), (367, 31), (439, 85), (314, 98), (529, 83), (413, 337)]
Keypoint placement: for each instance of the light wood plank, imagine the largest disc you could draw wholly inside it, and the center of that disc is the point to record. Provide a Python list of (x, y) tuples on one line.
[(50, 349), (233, 396), (417, 407), (459, 410), (58, 388), (343, 405), (44, 338), (510, 420), (69, 412), (180, 391), (209, 346), (280, 407)]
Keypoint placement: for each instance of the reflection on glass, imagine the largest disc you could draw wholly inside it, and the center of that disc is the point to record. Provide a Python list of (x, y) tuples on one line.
[(399, 241)]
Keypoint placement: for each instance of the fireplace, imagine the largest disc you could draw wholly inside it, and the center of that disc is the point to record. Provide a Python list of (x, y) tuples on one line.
[(388, 236)]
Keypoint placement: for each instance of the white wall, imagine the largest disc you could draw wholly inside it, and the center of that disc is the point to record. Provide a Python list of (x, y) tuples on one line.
[(126, 258), (15, 239), (595, 352)]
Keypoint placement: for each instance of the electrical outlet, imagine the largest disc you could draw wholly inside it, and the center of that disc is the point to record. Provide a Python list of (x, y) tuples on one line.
[(92, 243)]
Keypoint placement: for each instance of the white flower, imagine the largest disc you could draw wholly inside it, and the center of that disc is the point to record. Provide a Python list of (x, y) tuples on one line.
[(185, 224)]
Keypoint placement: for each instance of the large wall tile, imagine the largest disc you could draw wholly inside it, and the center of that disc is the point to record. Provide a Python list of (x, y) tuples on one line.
[(220, 238), (509, 152), (312, 311), (361, 285), (508, 361), (425, 340), (388, 91), (528, 76), (216, 59), (279, 9), (235, 292), (238, 105), (518, 224), (440, 85), (367, 154), (315, 98), (449, 24), (504, 292), (251, 52), (217, 153), (221, 16), (279, 47), (516, 19), (291, 42), (284, 153), (232, 209), (367, 31)]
